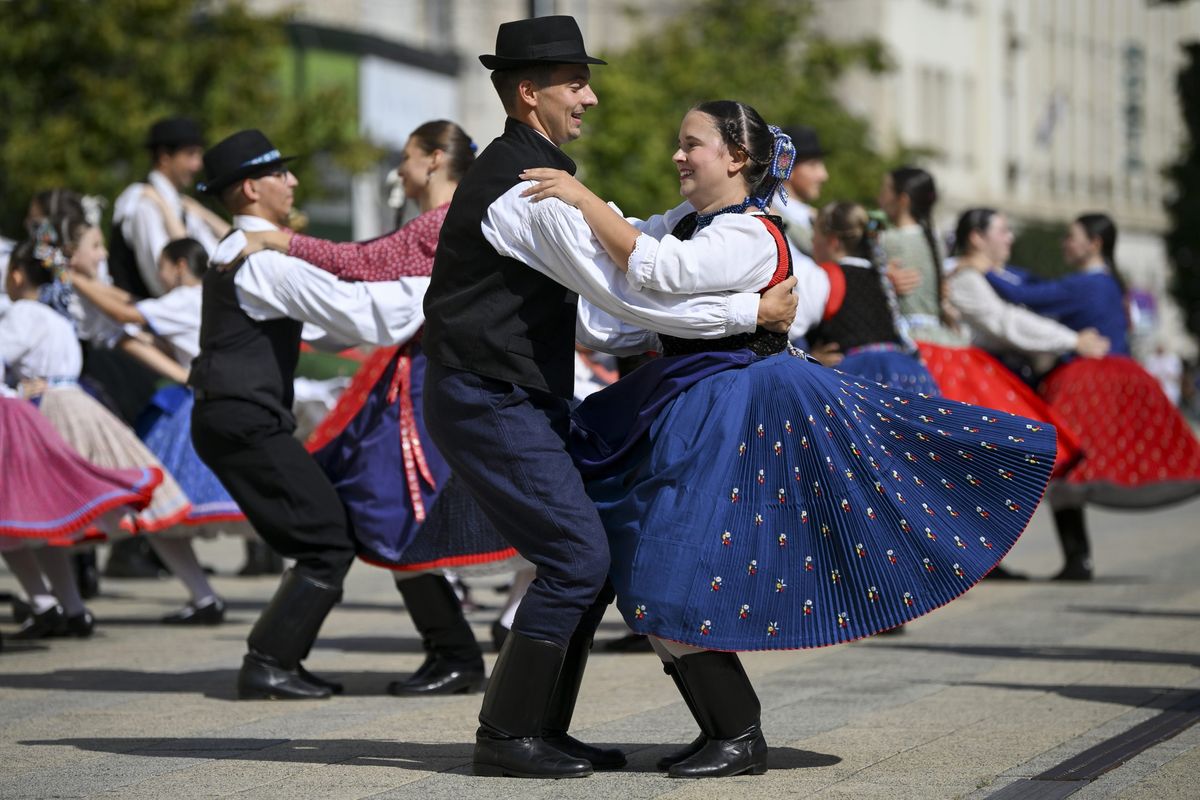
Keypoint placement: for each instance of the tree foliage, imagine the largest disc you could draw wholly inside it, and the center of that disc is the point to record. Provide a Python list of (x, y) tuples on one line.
[(81, 83), (761, 52), (1183, 208)]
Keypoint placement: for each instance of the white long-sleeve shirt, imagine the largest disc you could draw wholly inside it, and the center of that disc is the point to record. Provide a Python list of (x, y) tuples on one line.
[(615, 316), (38, 342), (144, 230), (1000, 326), (272, 285)]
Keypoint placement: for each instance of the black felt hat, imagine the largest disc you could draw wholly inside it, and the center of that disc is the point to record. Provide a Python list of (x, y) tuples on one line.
[(805, 140), (541, 40), (245, 154), (175, 132)]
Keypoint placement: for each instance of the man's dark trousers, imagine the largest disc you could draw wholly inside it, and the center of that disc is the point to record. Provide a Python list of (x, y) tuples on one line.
[(277, 484), (507, 443)]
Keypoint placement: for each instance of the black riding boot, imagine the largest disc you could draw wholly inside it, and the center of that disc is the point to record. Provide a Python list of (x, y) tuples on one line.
[(667, 761), (561, 707), (1077, 552), (453, 660), (283, 635), (728, 710), (509, 740)]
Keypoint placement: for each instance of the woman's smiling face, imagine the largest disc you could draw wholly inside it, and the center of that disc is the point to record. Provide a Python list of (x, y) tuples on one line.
[(708, 172)]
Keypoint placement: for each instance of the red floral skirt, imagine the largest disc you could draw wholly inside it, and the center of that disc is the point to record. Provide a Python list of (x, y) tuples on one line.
[(1139, 452)]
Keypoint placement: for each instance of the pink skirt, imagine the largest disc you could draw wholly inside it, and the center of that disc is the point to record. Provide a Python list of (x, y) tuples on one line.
[(105, 441), (49, 493)]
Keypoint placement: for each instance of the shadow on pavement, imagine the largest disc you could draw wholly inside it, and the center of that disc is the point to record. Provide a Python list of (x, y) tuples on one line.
[(1054, 653), (436, 757), (215, 684), (1130, 611), (1157, 697)]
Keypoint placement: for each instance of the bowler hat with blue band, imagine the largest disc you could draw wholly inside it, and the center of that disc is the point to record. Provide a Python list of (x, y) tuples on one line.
[(541, 40), (245, 154)]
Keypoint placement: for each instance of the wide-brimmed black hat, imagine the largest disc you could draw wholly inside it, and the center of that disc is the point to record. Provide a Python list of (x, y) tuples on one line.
[(245, 154), (175, 132), (541, 40), (805, 140)]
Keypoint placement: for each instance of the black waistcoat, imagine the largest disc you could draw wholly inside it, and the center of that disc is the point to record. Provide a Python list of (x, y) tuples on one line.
[(492, 315), (242, 358), (865, 316), (122, 264)]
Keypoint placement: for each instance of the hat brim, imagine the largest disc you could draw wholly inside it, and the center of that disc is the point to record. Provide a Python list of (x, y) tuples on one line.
[(253, 171), (500, 62)]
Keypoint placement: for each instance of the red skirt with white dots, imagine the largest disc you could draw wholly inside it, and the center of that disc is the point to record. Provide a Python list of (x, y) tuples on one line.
[(1138, 451), (970, 375)]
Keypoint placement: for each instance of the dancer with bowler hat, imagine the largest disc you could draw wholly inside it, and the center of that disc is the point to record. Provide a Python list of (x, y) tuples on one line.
[(242, 422), (500, 340)]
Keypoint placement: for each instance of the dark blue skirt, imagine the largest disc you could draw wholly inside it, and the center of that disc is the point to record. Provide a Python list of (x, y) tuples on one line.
[(776, 504), (888, 364), (166, 427), (365, 463)]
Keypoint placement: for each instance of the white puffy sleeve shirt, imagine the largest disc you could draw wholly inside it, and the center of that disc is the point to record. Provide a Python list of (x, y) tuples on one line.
[(272, 285), (174, 317), (37, 342), (998, 325), (615, 316)]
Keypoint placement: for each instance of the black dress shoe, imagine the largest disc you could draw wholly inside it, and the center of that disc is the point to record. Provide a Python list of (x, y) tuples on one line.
[(333, 686), (1002, 574), (721, 758), (529, 757), (80, 625), (682, 754), (21, 610), (601, 758), (50, 622), (208, 614), (262, 678), (1077, 569), (437, 676)]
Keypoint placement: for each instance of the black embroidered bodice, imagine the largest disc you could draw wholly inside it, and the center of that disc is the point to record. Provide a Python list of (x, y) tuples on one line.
[(761, 341)]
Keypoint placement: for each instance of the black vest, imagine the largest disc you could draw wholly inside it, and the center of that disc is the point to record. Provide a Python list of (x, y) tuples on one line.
[(492, 315), (122, 264), (865, 316), (241, 358)]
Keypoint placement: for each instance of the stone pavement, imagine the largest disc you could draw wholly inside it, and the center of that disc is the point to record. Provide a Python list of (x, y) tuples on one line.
[(1007, 684)]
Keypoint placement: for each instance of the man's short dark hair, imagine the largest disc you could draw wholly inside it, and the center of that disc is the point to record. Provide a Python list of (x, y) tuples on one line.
[(507, 81)]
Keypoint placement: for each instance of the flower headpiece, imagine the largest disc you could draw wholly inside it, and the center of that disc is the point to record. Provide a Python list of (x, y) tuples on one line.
[(783, 158), (47, 249), (93, 209)]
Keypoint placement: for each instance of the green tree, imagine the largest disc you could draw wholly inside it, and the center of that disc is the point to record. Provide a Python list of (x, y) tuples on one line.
[(1183, 208), (81, 83), (761, 52)]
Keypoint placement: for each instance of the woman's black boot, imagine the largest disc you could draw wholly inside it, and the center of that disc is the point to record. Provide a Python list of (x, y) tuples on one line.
[(283, 635), (453, 660), (728, 709), (1077, 552), (690, 750), (509, 740)]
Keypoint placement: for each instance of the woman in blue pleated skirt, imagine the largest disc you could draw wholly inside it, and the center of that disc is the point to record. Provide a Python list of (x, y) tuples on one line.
[(754, 499)]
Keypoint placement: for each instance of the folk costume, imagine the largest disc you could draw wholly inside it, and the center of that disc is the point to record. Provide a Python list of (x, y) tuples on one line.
[(242, 422), (390, 476), (1139, 452), (859, 314), (500, 340), (833, 508), (138, 232)]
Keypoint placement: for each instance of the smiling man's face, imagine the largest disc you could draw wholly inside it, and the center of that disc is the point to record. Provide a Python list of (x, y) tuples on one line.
[(561, 103)]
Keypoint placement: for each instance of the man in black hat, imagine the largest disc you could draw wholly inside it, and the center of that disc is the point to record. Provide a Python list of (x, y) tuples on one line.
[(500, 341), (149, 214), (242, 422)]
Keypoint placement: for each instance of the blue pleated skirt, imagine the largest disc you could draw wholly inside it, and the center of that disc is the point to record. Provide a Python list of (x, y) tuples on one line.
[(890, 365), (166, 428), (776, 504)]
